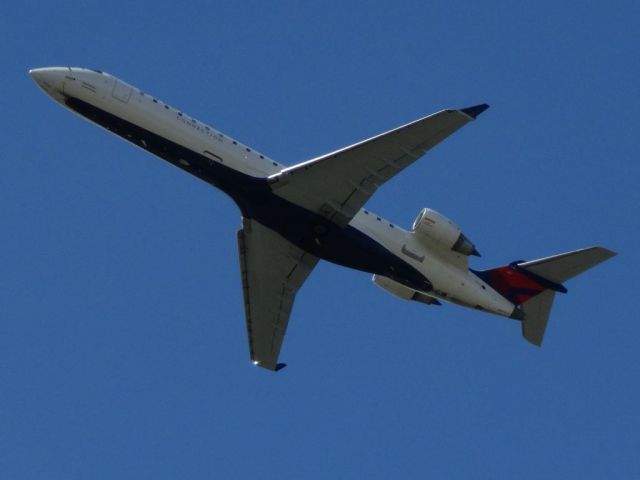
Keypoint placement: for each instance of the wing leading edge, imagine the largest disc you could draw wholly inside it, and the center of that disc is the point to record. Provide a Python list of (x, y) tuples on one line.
[(273, 270), (338, 184)]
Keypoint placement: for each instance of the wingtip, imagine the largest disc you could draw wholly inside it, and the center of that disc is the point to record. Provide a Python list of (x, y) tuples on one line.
[(474, 111), (276, 368), (608, 253)]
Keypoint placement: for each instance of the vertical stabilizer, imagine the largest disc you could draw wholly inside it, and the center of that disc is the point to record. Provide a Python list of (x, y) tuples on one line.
[(536, 313)]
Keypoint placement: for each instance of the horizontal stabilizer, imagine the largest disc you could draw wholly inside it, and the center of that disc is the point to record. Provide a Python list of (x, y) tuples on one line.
[(560, 268)]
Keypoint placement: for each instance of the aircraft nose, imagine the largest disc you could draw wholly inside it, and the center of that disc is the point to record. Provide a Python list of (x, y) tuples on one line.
[(36, 73), (51, 80), (49, 75)]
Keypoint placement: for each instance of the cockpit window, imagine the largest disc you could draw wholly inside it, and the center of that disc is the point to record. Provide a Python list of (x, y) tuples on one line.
[(97, 71)]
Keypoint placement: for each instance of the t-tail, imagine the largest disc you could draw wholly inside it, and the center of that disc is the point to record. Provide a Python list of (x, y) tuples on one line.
[(532, 286)]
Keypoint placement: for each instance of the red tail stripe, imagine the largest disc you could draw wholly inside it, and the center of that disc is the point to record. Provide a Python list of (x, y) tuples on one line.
[(512, 284)]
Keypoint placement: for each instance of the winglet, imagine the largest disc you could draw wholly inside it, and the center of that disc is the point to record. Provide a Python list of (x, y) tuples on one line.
[(276, 368), (474, 111)]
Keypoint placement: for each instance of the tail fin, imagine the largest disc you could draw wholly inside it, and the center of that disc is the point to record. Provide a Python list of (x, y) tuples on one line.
[(536, 313), (532, 285)]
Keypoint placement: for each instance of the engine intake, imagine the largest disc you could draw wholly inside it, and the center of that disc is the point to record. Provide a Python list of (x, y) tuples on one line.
[(437, 228)]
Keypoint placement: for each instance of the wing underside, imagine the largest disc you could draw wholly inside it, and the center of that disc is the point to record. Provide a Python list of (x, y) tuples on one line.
[(338, 184), (273, 270), (335, 186)]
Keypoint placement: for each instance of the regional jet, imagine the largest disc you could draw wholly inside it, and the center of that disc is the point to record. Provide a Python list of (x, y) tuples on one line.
[(293, 216)]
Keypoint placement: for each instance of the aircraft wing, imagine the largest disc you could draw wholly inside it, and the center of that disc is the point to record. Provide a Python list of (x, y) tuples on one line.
[(338, 184), (273, 270)]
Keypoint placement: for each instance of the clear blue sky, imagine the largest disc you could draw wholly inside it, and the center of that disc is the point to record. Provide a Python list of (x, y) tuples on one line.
[(123, 350)]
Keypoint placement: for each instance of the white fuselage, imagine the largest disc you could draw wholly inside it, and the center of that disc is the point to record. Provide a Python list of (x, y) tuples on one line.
[(446, 271)]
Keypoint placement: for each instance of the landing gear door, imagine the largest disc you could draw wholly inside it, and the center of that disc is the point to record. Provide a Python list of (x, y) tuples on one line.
[(121, 91)]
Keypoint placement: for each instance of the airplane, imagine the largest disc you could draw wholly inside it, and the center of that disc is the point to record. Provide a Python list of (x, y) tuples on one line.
[(294, 216)]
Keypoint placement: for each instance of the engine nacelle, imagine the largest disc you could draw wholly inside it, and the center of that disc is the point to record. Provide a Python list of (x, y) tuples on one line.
[(403, 292), (437, 228)]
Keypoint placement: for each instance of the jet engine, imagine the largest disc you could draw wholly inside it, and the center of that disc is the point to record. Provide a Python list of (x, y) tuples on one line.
[(435, 227)]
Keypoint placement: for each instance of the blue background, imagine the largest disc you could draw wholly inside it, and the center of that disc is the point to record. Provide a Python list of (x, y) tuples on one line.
[(123, 349)]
